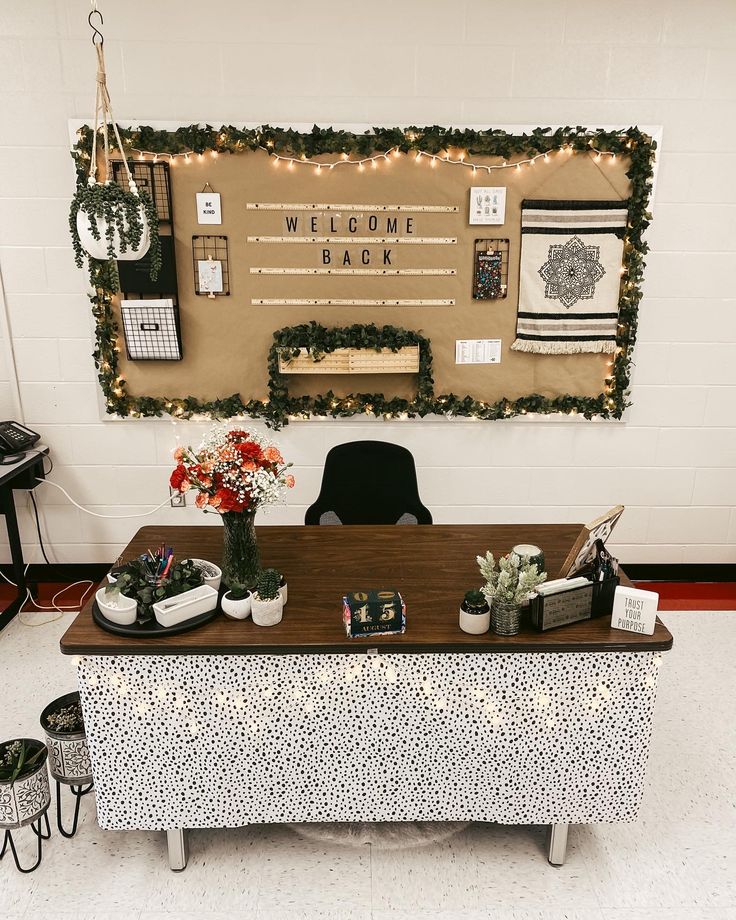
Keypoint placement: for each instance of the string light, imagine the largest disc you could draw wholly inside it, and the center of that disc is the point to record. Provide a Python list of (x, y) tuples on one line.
[(394, 153)]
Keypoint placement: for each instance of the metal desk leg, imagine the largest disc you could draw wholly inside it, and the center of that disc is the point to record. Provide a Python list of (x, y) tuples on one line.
[(557, 844), (176, 840)]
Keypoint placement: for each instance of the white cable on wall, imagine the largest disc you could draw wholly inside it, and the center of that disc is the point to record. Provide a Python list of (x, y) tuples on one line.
[(96, 513)]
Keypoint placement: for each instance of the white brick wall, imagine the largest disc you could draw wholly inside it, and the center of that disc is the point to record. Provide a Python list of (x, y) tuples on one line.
[(419, 61)]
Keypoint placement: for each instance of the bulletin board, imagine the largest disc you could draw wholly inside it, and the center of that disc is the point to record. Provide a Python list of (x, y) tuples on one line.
[(335, 240)]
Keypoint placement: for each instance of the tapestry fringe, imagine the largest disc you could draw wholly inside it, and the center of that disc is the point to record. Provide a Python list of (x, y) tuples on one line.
[(564, 348)]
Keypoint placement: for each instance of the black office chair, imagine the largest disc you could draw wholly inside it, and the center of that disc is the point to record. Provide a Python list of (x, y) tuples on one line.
[(368, 482)]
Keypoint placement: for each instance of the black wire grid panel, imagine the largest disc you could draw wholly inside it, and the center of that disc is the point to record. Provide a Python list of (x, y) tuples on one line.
[(152, 331), (215, 248), (491, 269), (154, 178)]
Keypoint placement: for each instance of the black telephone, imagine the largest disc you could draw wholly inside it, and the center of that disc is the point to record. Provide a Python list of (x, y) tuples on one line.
[(14, 440)]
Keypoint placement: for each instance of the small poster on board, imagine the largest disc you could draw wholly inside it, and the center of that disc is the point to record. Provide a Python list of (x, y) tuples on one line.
[(210, 276), (478, 351), (487, 205), (209, 210)]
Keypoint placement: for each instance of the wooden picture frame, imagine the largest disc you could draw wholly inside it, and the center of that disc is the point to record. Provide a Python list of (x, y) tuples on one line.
[(584, 547)]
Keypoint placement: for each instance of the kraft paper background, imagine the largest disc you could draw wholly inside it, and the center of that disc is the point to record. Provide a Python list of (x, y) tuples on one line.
[(226, 340)]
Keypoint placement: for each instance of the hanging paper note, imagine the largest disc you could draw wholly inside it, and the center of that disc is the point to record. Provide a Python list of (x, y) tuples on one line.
[(487, 205), (210, 276), (208, 208)]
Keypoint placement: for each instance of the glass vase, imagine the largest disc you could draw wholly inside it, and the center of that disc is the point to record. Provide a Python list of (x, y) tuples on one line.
[(240, 560), (505, 618)]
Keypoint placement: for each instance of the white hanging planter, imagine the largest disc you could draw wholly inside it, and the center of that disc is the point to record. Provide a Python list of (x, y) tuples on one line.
[(98, 249)]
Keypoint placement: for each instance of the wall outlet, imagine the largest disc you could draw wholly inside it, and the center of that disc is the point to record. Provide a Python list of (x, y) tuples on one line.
[(178, 499)]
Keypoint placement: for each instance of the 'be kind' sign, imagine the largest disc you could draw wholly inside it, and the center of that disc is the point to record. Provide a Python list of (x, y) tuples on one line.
[(635, 610)]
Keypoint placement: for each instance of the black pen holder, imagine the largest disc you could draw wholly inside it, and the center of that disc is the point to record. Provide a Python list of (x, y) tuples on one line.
[(603, 595)]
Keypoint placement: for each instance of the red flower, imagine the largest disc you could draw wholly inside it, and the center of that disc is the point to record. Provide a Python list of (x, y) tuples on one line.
[(249, 451), (179, 476), (228, 500)]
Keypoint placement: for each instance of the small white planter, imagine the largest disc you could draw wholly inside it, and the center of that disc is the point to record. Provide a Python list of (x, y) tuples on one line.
[(236, 609), (98, 248), (205, 565), (267, 613), (185, 606), (476, 622), (118, 609)]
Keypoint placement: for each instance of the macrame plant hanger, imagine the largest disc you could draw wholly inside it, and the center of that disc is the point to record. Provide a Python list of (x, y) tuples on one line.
[(103, 111)]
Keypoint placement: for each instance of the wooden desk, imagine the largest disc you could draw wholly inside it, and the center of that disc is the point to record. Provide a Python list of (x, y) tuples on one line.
[(432, 566), (234, 724)]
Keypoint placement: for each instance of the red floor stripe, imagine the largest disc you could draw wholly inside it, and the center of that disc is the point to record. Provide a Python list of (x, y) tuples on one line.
[(684, 595)]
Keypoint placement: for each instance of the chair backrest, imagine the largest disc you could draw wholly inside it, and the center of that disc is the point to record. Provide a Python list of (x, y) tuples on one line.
[(368, 482)]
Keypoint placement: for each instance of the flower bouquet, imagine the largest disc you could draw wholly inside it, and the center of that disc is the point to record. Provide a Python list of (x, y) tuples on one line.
[(234, 472)]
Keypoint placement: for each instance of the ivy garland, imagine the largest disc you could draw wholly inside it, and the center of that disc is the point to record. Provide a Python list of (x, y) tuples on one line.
[(631, 143), (318, 342)]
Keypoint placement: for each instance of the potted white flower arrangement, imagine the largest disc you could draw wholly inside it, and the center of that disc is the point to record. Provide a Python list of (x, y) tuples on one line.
[(69, 763), (267, 605), (506, 588)]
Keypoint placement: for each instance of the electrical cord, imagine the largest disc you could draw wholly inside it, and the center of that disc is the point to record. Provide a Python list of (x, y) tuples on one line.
[(117, 517), (90, 584), (54, 606)]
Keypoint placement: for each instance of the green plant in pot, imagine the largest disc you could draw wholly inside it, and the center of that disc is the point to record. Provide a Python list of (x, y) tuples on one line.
[(475, 613), (236, 602), (69, 762), (507, 585), (108, 221), (135, 582), (267, 605), (24, 793)]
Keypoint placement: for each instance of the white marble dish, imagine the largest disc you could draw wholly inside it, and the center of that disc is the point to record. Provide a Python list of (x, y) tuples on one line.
[(173, 610)]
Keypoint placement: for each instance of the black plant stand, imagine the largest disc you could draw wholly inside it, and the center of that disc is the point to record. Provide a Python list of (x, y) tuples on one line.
[(77, 792), (44, 816)]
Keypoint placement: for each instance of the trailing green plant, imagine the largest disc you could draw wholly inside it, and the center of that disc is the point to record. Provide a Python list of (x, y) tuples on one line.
[(637, 148), (475, 598), (135, 582), (512, 580), (268, 583), (238, 592), (66, 719), (17, 759), (120, 209)]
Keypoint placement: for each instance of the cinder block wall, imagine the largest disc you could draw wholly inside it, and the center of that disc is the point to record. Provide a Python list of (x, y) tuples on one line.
[(588, 62)]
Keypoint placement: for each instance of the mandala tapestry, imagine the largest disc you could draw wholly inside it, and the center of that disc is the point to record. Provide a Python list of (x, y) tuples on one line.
[(571, 256)]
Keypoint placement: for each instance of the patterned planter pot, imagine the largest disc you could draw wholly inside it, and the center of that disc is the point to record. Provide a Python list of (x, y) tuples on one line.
[(68, 753), (25, 800)]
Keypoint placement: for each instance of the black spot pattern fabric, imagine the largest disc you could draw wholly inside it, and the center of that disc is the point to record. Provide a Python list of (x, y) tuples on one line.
[(225, 741)]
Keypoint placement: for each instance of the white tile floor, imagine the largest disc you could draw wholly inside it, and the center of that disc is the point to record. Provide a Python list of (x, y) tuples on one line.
[(677, 863)]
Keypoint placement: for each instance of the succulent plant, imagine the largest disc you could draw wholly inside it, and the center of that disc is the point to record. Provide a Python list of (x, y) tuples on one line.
[(238, 592), (475, 598), (267, 586)]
